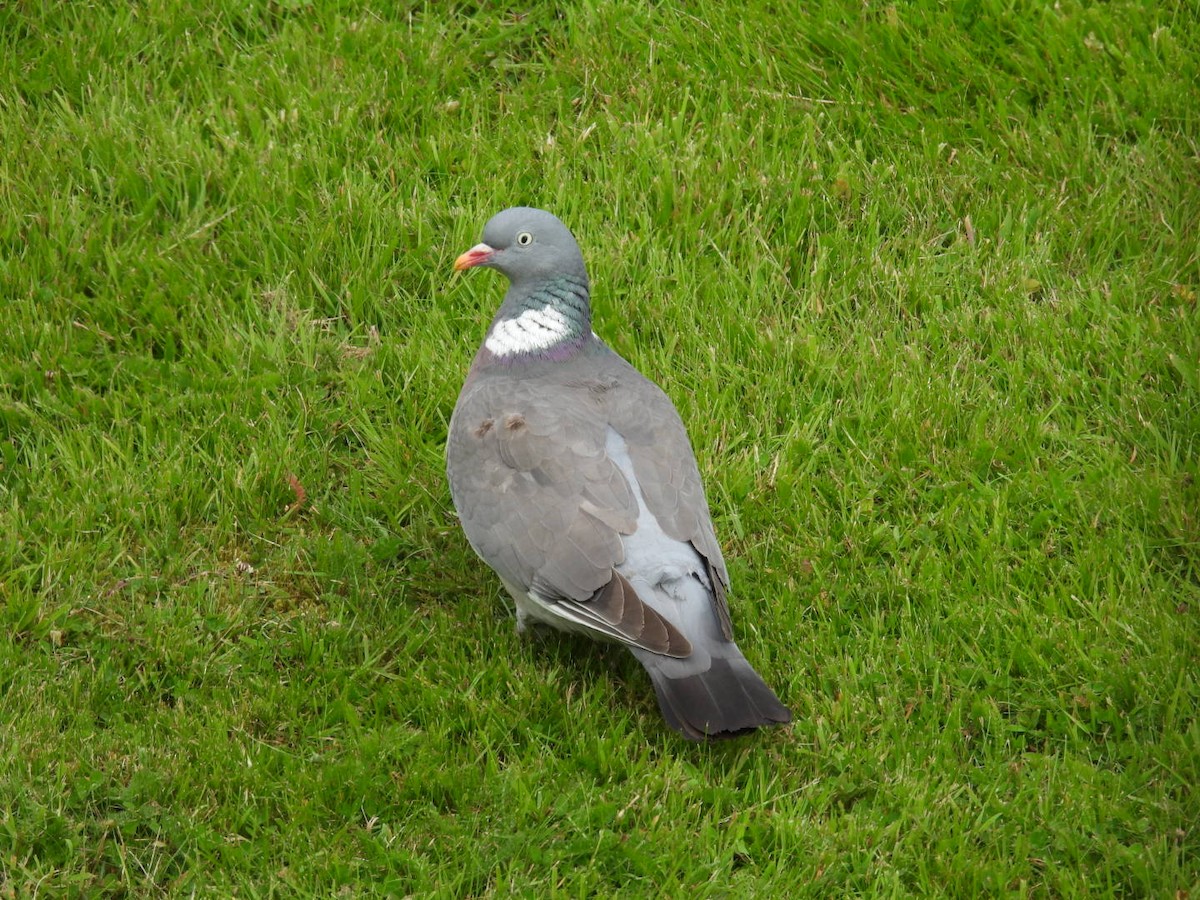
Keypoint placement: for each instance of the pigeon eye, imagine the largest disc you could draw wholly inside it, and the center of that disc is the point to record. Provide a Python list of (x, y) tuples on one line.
[(524, 238)]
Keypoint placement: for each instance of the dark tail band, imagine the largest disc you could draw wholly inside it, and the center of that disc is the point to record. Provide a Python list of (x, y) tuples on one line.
[(726, 700)]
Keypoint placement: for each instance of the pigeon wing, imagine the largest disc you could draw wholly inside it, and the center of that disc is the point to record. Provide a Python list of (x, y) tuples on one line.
[(543, 504), (667, 474)]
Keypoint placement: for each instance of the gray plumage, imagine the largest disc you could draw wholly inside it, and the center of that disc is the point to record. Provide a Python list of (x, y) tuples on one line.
[(575, 481)]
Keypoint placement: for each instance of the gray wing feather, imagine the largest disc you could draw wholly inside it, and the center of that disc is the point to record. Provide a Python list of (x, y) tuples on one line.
[(538, 498), (669, 478), (543, 504)]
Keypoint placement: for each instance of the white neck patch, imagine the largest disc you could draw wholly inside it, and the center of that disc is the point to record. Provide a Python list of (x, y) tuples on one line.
[(534, 329)]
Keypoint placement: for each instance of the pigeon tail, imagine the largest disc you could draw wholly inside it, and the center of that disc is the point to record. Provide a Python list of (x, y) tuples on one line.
[(725, 700)]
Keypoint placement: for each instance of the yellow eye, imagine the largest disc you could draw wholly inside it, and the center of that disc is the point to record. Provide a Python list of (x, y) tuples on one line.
[(524, 238)]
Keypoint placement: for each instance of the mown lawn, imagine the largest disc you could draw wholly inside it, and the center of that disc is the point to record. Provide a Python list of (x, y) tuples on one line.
[(922, 279)]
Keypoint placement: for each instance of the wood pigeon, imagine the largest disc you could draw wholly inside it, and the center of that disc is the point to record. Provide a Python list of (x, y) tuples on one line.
[(575, 481)]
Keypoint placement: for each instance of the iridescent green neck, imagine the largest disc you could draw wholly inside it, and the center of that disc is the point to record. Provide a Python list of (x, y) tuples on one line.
[(547, 320)]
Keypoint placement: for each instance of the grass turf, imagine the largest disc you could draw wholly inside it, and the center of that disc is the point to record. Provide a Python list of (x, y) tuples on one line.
[(922, 280)]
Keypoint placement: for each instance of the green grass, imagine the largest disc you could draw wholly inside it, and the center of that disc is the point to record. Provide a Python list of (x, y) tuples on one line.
[(922, 280)]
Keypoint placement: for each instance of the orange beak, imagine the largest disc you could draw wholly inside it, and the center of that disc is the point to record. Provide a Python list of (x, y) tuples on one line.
[(478, 255)]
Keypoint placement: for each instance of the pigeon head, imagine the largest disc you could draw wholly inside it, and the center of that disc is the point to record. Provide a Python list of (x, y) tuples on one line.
[(546, 312), (528, 245)]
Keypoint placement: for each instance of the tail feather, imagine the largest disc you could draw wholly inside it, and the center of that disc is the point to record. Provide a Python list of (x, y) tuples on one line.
[(725, 700)]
